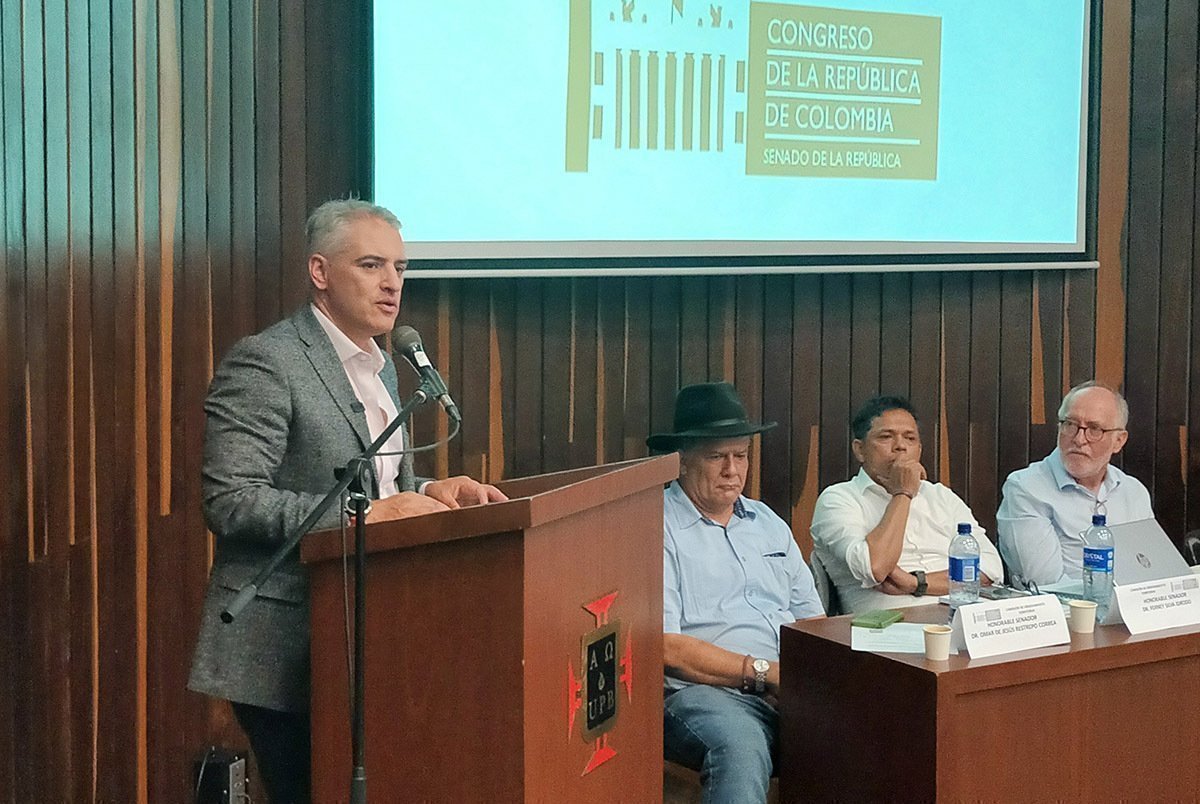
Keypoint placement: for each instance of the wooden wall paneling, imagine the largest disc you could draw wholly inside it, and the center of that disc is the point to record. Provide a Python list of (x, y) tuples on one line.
[(61, 609), (451, 312), (584, 346), (14, 765), (1080, 357), (171, 560), (242, 101), (338, 163), (748, 351), (1015, 330), (895, 347), (805, 373), (1175, 289), (503, 298), (110, 758), (665, 340), (33, 72), (925, 389), (865, 337), (776, 445), (982, 381), (126, 630), (269, 272), (698, 332), (191, 336), (219, 180), (418, 309), (556, 374), (956, 383), (638, 423), (31, 760), (472, 389), (1192, 491), (527, 421), (611, 317), (294, 200), (1145, 237), (1050, 325), (39, 722), (722, 304), (837, 408)]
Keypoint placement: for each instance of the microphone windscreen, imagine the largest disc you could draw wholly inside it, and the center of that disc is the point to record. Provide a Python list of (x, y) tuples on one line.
[(406, 339)]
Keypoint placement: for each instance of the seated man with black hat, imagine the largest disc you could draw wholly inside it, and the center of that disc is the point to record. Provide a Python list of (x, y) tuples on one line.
[(732, 575)]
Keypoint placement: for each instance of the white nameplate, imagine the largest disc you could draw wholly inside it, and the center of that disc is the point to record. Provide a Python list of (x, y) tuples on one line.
[(993, 627), (1154, 605)]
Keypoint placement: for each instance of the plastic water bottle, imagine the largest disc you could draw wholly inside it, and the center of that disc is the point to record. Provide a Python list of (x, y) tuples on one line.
[(1098, 554), (964, 567)]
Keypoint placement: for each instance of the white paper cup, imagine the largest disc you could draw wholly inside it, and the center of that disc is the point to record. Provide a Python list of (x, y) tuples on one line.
[(1083, 616), (937, 642)]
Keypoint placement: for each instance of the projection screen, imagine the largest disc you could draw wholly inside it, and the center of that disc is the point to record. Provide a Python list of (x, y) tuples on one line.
[(592, 137)]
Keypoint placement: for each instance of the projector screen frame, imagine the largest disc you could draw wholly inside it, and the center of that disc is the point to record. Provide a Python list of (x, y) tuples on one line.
[(817, 256)]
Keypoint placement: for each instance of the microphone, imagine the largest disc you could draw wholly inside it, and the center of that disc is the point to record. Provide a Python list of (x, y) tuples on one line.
[(408, 343)]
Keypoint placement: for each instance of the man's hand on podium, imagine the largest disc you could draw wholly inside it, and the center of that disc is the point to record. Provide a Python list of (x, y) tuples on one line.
[(406, 503), (456, 492)]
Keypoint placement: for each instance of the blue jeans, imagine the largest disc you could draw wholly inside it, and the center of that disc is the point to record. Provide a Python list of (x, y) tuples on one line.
[(730, 738)]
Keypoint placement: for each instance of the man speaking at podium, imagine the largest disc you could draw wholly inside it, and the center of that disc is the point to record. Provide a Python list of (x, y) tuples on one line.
[(287, 407), (732, 575)]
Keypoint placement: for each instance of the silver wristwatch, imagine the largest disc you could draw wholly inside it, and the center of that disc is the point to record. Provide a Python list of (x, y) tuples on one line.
[(761, 666)]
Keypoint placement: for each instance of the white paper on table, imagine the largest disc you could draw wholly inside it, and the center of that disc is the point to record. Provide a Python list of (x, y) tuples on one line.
[(995, 627), (1153, 605), (896, 638)]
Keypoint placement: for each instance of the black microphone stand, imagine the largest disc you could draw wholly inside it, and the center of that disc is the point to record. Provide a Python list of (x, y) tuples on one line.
[(350, 478)]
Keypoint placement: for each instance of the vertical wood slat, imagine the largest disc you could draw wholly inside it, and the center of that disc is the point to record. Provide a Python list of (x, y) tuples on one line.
[(1175, 273), (925, 385), (982, 387), (1145, 232)]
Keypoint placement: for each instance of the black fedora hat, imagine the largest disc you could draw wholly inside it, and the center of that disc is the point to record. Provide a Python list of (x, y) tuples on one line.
[(707, 410)]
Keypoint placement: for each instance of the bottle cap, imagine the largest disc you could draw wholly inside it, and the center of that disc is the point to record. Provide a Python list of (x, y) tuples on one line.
[(1098, 520), (964, 527)]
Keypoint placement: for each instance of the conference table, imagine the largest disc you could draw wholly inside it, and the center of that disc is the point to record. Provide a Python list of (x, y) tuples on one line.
[(1109, 716)]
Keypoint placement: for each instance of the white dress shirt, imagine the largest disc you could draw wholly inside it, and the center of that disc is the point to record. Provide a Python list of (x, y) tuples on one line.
[(362, 369), (1044, 513), (847, 512)]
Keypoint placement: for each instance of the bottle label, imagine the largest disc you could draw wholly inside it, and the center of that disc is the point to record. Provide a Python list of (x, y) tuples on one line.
[(1098, 559), (964, 570)]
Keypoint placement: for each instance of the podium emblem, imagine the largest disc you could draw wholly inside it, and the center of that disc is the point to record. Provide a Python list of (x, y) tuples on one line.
[(606, 666)]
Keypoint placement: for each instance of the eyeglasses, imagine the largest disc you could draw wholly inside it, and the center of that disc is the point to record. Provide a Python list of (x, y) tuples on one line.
[(1090, 432)]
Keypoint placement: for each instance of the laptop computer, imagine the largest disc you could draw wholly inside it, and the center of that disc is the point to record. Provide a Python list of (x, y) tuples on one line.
[(1143, 552)]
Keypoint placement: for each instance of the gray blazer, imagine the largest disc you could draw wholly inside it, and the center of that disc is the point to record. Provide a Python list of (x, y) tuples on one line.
[(279, 421)]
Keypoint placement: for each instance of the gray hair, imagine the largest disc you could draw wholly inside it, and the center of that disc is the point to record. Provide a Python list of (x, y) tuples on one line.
[(325, 224), (1122, 405)]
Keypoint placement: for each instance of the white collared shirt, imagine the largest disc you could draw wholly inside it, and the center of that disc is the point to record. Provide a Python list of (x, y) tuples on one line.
[(362, 370), (847, 512)]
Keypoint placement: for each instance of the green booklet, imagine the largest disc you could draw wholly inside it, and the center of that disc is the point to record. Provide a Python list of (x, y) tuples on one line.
[(877, 618)]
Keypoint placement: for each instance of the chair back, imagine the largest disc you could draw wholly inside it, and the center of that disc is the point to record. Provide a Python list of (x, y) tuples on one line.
[(826, 589)]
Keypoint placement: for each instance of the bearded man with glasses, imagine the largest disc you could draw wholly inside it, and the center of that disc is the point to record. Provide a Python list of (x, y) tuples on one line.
[(1048, 505)]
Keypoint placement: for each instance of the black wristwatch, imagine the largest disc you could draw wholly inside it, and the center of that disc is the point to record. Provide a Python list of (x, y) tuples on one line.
[(922, 584)]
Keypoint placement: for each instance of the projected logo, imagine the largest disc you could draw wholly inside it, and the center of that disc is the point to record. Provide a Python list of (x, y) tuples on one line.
[(842, 93), (804, 90)]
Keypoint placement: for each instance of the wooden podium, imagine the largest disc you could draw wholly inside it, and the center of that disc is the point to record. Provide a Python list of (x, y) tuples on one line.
[(478, 622)]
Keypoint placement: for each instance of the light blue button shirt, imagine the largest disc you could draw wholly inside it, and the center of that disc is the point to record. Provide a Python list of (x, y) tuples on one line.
[(1045, 512), (733, 586)]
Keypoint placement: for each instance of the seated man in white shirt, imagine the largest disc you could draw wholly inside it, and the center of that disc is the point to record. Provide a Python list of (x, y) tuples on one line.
[(1049, 504), (884, 536)]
